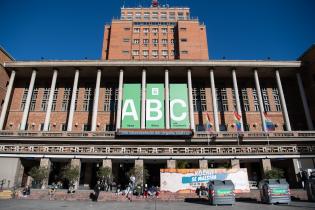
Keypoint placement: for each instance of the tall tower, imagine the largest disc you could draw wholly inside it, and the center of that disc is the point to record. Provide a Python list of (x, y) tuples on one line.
[(155, 33)]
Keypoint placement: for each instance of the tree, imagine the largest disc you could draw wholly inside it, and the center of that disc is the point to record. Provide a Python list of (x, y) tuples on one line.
[(140, 173), (182, 164), (71, 173), (275, 173), (105, 175), (39, 174)]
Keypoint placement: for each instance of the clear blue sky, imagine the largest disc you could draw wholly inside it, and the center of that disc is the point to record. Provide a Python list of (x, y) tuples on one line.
[(237, 29)]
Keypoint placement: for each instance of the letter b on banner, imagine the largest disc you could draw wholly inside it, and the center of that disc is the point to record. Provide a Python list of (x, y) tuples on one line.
[(155, 106)]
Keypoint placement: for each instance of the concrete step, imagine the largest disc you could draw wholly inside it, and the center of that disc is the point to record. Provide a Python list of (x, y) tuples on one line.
[(5, 194)]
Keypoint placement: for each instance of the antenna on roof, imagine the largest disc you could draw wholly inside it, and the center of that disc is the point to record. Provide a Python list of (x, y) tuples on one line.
[(123, 3), (155, 3)]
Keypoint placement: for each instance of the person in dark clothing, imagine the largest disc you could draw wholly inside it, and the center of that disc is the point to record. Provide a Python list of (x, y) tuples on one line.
[(97, 190)]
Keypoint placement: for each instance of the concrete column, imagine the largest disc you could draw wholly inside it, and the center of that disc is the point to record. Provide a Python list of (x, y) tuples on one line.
[(73, 99), (143, 98), (235, 163), (283, 102), (171, 164), (214, 102), (50, 101), (96, 97), (191, 106), (237, 98), (167, 100), (260, 101), (120, 94), (28, 101), (265, 166), (140, 163), (203, 164), (107, 163), (76, 163), (297, 169), (7, 100), (45, 162), (305, 104)]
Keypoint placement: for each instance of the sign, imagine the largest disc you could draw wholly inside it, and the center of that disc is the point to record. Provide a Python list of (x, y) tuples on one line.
[(179, 114), (187, 180), (153, 132), (155, 106), (131, 106)]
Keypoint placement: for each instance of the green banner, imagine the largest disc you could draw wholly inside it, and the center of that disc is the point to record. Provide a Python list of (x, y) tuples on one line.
[(155, 106), (179, 113), (131, 106)]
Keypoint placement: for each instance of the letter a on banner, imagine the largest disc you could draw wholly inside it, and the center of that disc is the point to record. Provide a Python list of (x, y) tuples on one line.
[(155, 106), (131, 106), (179, 106)]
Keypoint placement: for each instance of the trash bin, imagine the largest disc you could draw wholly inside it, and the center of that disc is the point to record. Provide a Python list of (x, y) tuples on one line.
[(310, 187), (221, 192), (274, 191)]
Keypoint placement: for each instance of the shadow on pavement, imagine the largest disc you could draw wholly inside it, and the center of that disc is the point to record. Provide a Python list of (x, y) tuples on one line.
[(246, 200), (202, 201)]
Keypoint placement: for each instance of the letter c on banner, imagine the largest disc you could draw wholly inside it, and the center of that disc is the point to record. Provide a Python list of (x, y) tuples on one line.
[(183, 104)]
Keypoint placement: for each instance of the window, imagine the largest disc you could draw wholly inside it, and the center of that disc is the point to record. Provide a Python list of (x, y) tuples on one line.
[(110, 127), (63, 127), (54, 102), (184, 52), (127, 29), (222, 99), (135, 52), (172, 52), (234, 100), (126, 40), (125, 52), (129, 15), (172, 30), (172, 16), (145, 41), (256, 104), (155, 30), (183, 40), (164, 52), (136, 41), (110, 99), (88, 99), (155, 15), (45, 99), (146, 30), (24, 99), (155, 53), (138, 15), (145, 52), (183, 29), (199, 99), (136, 30), (275, 93), (265, 99), (223, 127), (172, 41), (164, 30), (86, 127), (33, 100), (66, 99), (164, 41), (180, 15), (146, 15), (245, 100), (155, 42), (163, 16)]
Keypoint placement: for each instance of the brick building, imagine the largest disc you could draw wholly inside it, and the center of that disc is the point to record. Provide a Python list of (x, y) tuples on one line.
[(249, 114)]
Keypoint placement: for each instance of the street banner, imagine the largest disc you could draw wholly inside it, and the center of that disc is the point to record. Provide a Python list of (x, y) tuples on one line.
[(187, 180), (155, 117), (179, 113), (131, 106)]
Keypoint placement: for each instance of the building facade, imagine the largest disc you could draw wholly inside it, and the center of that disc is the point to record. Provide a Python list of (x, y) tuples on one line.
[(139, 108)]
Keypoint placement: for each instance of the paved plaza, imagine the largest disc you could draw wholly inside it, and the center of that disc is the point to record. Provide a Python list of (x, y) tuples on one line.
[(149, 205)]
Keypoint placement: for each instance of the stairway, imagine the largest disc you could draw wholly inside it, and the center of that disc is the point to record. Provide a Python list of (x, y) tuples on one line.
[(5, 194)]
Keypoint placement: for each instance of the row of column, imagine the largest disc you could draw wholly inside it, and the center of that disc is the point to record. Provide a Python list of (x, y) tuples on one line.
[(167, 111)]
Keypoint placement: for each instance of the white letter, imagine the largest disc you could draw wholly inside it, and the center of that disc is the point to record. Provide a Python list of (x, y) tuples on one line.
[(183, 115), (133, 112), (156, 109)]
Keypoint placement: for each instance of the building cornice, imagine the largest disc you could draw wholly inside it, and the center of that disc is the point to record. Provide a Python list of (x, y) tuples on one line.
[(101, 63)]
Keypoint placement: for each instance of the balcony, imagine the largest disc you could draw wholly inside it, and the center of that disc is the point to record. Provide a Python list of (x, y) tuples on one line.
[(293, 136)]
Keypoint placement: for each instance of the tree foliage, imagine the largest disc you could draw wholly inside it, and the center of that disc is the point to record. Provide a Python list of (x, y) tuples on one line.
[(71, 173), (140, 173), (105, 174), (275, 173), (39, 173)]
